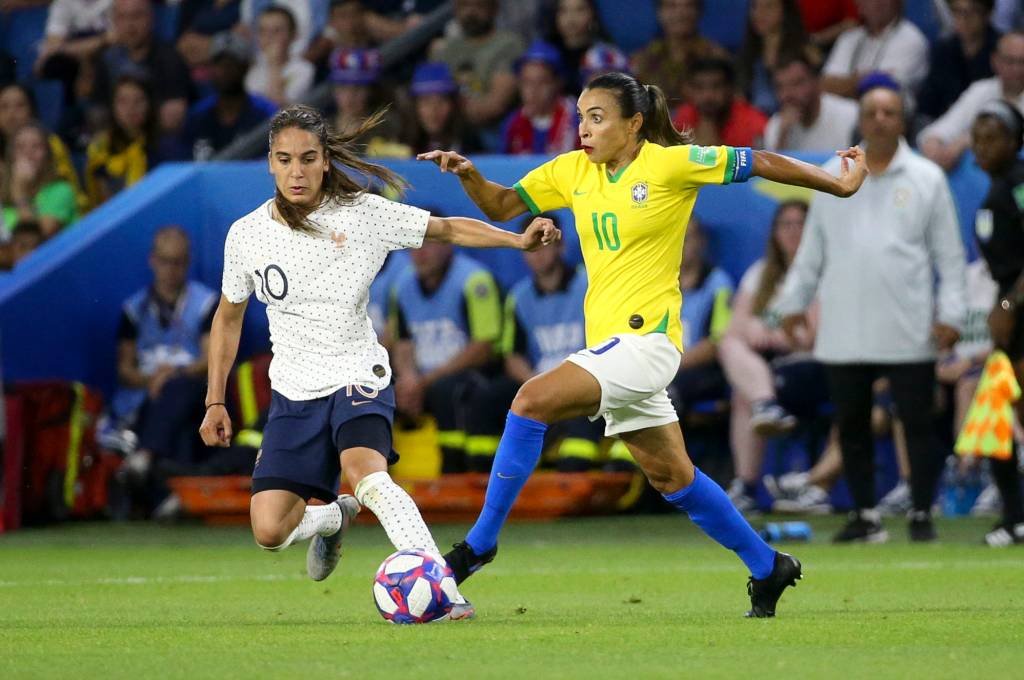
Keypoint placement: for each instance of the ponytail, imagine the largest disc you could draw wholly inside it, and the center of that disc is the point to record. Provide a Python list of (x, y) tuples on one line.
[(647, 100)]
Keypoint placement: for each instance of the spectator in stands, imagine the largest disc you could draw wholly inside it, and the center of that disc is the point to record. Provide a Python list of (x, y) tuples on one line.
[(346, 29), (358, 93), (545, 123), (76, 30), (213, 123), (447, 319), (667, 61), (752, 342), (772, 27), (808, 119), (18, 109), (707, 293), (122, 154), (440, 123), (891, 236), (945, 140), (600, 59), (575, 30), (32, 190), (278, 74), (26, 237), (885, 42), (200, 21), (825, 20), (959, 59), (715, 113), (163, 339), (135, 51), (482, 60), (302, 11)]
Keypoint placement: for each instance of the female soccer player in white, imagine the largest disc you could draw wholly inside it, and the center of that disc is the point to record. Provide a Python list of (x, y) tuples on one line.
[(310, 253), (631, 189)]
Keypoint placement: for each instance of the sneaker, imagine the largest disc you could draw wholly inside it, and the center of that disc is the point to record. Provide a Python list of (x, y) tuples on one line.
[(462, 610), (989, 502), (464, 562), (743, 501), (325, 551), (813, 500), (1004, 535), (765, 593), (792, 484), (863, 527), (920, 527), (897, 501), (769, 419)]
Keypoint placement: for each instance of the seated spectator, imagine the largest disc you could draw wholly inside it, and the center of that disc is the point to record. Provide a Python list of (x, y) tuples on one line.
[(545, 123), (346, 29), (32, 190), (76, 30), (163, 339), (667, 61), (945, 140), (358, 93), (754, 353), (122, 154), (447, 319), (959, 59), (808, 119), (481, 59), (200, 21), (440, 123), (576, 30), (135, 51), (216, 121), (772, 26), (600, 59), (885, 42), (18, 109), (715, 113), (24, 238), (277, 74), (707, 293), (388, 19), (302, 12), (825, 20)]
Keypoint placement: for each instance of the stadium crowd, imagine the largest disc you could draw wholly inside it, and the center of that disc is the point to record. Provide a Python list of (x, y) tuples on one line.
[(130, 84)]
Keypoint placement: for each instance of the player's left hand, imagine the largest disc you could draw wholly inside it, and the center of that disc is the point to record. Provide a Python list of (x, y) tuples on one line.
[(541, 232), (945, 335), (853, 170)]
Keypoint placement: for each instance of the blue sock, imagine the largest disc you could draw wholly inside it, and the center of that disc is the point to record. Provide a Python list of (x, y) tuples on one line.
[(518, 452), (710, 508)]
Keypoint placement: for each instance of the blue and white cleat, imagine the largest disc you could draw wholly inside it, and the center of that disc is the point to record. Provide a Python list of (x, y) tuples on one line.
[(325, 551)]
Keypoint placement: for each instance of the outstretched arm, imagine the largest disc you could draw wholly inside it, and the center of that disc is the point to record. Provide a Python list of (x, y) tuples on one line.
[(786, 170), (465, 231), (499, 203)]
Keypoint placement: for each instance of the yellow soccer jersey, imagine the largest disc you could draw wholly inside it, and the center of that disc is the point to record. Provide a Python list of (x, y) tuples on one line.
[(631, 228)]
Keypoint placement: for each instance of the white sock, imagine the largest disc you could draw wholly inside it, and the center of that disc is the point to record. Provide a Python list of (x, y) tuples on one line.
[(318, 519), (397, 513)]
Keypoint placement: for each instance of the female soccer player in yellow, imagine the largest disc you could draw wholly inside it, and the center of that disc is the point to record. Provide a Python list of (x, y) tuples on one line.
[(631, 188)]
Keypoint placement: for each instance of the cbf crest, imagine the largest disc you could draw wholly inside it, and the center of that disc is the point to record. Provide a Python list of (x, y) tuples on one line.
[(639, 192)]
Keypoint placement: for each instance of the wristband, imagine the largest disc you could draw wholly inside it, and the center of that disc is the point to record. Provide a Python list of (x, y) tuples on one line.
[(216, 403)]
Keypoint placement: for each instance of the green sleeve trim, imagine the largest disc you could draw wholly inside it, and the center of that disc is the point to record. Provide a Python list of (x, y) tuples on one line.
[(730, 165), (508, 328), (526, 198), (483, 307), (721, 314)]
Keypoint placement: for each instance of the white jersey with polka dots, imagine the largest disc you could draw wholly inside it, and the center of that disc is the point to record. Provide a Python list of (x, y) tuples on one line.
[(316, 291)]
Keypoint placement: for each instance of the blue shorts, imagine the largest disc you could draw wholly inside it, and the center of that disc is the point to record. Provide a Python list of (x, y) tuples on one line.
[(303, 440)]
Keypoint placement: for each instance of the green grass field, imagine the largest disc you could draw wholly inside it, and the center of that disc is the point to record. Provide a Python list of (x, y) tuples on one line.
[(635, 597)]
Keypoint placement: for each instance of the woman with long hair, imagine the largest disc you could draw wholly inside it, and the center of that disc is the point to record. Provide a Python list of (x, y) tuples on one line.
[(575, 29), (438, 119), (631, 187), (310, 254), (773, 26), (32, 189)]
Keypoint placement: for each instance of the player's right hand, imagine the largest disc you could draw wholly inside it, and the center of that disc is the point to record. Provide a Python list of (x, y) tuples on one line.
[(853, 170), (216, 427), (449, 161)]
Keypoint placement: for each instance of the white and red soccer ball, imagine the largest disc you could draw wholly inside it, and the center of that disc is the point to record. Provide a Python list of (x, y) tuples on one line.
[(412, 586)]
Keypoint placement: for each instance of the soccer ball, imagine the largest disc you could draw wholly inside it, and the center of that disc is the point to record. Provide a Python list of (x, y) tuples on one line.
[(412, 586)]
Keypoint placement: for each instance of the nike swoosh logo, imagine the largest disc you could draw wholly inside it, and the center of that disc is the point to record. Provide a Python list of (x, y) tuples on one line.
[(360, 403), (579, 193), (502, 475)]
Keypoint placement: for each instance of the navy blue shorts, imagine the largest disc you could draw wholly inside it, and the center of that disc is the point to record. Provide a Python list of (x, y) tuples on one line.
[(303, 440)]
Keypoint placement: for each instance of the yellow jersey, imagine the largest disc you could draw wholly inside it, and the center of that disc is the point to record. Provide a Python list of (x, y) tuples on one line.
[(631, 227)]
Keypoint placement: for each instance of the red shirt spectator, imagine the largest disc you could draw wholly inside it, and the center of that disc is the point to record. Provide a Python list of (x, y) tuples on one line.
[(824, 20), (715, 114)]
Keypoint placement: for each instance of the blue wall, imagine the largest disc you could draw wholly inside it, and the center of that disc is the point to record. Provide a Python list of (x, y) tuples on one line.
[(59, 309)]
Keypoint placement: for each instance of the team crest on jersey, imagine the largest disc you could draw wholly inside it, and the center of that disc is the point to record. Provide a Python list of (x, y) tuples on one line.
[(984, 225), (639, 192)]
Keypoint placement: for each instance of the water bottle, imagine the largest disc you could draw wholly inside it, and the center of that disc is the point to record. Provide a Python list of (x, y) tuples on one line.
[(786, 531)]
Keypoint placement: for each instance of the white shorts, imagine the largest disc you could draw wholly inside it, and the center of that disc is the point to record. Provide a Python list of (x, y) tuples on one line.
[(633, 371)]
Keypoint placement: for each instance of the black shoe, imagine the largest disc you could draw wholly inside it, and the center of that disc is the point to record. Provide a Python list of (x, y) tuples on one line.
[(863, 527), (464, 562), (765, 593), (920, 528)]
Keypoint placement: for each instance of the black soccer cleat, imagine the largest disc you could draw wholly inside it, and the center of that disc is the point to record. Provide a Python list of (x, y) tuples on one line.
[(920, 528), (765, 593), (464, 562)]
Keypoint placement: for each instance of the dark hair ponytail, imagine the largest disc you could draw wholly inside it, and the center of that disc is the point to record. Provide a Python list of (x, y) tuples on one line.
[(647, 100), (338, 149)]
